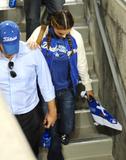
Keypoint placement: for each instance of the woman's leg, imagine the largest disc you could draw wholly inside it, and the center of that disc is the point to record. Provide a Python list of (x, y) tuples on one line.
[(32, 13), (66, 107), (55, 150), (53, 6)]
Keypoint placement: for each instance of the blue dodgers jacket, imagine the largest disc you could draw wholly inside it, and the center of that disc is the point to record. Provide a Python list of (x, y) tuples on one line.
[(61, 60), (78, 61)]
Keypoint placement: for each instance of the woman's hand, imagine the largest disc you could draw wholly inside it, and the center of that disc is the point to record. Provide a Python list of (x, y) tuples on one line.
[(90, 93), (32, 44)]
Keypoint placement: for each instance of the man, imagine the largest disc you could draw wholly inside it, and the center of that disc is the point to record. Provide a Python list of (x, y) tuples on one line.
[(20, 70), (32, 10)]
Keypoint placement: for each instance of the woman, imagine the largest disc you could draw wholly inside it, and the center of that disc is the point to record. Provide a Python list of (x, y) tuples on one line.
[(64, 52)]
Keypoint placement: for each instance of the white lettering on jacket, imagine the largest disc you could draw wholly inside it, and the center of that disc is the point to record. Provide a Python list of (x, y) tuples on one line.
[(60, 48)]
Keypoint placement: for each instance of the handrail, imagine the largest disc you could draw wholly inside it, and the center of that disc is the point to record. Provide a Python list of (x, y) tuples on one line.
[(14, 145), (109, 53)]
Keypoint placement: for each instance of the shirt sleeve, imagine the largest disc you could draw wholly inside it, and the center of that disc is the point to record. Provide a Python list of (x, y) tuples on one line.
[(44, 77), (82, 61)]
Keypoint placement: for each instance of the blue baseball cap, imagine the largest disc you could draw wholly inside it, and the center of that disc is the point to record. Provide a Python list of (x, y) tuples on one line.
[(9, 37)]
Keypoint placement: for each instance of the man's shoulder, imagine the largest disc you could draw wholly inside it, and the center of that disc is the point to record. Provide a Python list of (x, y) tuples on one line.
[(24, 48)]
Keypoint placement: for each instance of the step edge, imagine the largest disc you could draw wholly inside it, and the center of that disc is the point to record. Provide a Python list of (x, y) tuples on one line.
[(92, 156), (73, 3), (105, 139)]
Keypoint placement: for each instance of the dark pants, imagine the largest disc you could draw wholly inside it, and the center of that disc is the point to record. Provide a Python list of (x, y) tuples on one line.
[(30, 124), (65, 105), (32, 12), (54, 5), (55, 150), (65, 123)]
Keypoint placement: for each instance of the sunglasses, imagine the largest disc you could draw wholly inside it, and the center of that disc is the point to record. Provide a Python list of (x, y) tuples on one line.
[(11, 66)]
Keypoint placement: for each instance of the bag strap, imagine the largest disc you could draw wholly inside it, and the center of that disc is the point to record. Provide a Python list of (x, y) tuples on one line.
[(41, 33)]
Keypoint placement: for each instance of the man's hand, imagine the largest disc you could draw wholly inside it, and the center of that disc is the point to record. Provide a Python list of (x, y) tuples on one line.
[(51, 116), (50, 119)]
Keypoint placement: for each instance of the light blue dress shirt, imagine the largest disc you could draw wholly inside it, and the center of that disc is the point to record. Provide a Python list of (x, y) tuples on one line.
[(21, 92)]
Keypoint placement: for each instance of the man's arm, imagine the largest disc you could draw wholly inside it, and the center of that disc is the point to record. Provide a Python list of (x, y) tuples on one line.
[(51, 116), (46, 87)]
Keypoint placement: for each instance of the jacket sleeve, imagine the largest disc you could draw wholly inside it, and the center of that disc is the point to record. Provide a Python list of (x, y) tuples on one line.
[(82, 61)]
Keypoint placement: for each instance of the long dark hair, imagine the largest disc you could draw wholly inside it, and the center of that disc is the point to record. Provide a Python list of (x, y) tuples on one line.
[(61, 20)]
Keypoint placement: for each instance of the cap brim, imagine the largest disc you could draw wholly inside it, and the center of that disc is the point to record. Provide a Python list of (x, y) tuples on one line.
[(11, 47)]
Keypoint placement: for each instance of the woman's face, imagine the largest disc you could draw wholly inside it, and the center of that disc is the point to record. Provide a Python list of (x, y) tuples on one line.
[(61, 32)]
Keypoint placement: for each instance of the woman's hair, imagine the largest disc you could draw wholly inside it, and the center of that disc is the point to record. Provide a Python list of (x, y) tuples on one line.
[(62, 20)]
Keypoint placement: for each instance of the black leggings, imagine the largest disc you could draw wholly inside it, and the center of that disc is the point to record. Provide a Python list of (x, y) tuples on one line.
[(30, 124)]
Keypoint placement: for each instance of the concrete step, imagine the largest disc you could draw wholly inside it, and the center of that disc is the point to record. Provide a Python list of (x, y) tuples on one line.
[(23, 36), (89, 149), (16, 14), (72, 1), (20, 3), (90, 60), (88, 142), (76, 8), (43, 156), (88, 134), (95, 83), (84, 31), (83, 119), (85, 126), (103, 157)]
